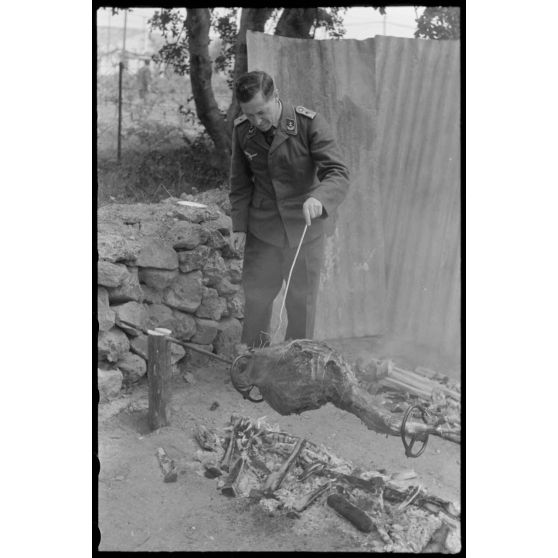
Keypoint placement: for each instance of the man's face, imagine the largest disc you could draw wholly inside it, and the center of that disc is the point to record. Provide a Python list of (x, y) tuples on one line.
[(261, 113)]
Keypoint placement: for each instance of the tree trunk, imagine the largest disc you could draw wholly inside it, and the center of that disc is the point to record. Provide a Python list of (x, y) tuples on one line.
[(198, 23), (296, 22), (251, 19)]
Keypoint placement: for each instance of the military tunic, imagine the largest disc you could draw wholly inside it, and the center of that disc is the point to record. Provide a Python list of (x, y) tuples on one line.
[(269, 185)]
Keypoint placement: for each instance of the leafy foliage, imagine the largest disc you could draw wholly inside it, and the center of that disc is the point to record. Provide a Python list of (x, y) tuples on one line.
[(439, 23), (331, 19), (226, 26), (172, 24)]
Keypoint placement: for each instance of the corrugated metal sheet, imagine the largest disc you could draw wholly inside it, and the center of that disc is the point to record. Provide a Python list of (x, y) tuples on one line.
[(337, 79), (395, 107), (418, 88)]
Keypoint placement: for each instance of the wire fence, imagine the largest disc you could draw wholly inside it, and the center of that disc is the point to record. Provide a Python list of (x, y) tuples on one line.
[(152, 110), (163, 148)]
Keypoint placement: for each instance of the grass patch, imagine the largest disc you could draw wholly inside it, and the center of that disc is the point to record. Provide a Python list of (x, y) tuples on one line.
[(150, 175)]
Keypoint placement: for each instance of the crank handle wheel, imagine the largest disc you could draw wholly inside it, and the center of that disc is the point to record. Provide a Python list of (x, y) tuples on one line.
[(423, 437)]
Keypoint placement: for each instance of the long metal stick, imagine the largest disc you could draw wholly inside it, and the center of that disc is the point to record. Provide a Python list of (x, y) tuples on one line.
[(177, 341)]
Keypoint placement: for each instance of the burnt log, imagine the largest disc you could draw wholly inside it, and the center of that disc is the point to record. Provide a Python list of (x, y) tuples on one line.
[(275, 479), (352, 513), (303, 375)]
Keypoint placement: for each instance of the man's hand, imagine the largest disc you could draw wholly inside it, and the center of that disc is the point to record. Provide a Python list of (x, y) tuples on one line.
[(237, 240), (312, 209)]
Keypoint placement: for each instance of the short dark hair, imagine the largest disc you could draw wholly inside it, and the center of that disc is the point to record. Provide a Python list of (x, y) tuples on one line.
[(248, 85)]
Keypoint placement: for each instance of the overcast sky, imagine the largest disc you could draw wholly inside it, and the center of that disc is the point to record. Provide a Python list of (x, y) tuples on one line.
[(360, 23)]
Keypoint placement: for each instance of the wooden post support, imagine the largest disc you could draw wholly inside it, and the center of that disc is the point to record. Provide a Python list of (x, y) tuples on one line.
[(158, 375)]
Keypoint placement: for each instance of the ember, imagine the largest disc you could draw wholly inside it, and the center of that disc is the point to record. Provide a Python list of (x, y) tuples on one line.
[(293, 476)]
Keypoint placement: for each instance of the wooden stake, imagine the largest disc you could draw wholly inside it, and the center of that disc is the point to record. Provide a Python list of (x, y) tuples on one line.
[(159, 374)]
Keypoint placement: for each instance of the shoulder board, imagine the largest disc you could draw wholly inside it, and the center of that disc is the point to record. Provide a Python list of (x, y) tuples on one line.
[(306, 112), (240, 119)]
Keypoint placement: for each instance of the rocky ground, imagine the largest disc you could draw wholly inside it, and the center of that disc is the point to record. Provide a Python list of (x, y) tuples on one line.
[(137, 511)]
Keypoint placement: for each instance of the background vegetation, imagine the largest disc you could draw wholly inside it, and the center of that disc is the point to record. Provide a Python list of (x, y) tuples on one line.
[(178, 140)]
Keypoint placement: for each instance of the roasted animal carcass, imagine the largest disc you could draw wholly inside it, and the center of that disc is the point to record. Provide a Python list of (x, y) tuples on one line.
[(302, 375)]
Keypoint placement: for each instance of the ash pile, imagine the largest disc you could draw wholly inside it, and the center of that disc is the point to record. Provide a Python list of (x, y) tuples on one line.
[(285, 474)]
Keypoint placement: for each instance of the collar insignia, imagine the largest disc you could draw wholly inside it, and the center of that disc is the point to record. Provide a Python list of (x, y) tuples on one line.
[(290, 125)]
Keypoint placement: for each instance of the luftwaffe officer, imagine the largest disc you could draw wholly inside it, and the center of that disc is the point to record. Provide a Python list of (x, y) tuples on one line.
[(286, 171)]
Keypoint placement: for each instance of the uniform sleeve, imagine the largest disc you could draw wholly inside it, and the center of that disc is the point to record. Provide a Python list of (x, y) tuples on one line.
[(332, 172), (241, 186)]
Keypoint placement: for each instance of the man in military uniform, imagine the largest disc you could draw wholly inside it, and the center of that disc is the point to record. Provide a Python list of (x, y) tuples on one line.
[(286, 172)]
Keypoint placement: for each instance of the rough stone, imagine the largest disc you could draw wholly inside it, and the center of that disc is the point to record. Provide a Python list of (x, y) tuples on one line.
[(127, 213), (225, 287), (227, 337), (234, 268), (186, 236), (155, 253), (109, 383), (132, 312), (191, 214), (212, 305), (111, 274), (160, 315), (184, 325), (206, 331), (151, 295), (215, 239), (154, 228), (105, 316), (158, 279), (229, 252), (115, 247), (191, 260), (188, 377), (112, 344), (133, 367), (129, 290), (138, 345), (177, 353), (223, 224), (185, 293), (235, 305), (214, 269)]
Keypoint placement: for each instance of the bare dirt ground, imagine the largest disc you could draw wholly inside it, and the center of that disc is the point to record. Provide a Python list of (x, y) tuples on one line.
[(137, 511)]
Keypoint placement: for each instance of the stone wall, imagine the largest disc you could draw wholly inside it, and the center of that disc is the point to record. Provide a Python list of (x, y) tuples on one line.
[(165, 265)]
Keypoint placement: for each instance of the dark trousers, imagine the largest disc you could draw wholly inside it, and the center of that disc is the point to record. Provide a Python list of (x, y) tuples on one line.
[(265, 268)]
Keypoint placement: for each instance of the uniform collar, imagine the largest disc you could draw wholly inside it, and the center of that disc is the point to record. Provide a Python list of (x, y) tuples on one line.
[(287, 126), (287, 120)]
